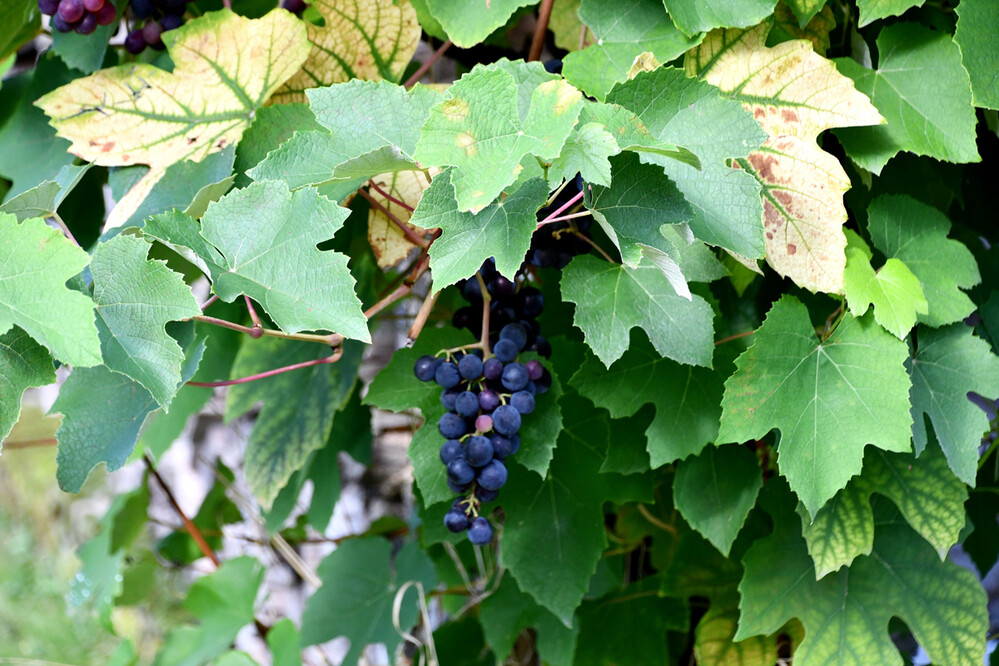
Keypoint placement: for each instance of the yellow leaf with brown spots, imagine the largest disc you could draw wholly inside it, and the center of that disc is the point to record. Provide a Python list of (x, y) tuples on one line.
[(362, 39), (225, 68), (794, 94), (388, 242)]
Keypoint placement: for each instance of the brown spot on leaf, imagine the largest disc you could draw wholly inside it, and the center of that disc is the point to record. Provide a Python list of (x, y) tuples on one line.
[(221, 143), (770, 236), (783, 196), (108, 147), (791, 248), (789, 115), (763, 163), (191, 139)]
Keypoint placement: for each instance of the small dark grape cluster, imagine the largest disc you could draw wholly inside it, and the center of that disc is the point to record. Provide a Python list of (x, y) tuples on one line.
[(556, 243), (156, 17), (486, 400), (83, 16), (296, 7)]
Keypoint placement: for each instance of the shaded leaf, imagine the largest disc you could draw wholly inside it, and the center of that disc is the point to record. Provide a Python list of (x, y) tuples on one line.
[(23, 363), (976, 37), (694, 16), (468, 22)]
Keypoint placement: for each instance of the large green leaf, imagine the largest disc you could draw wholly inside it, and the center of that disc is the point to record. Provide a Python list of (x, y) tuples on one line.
[(272, 126), (502, 229), (135, 298), (694, 16), (611, 299), (976, 35), (685, 111), (19, 19), (360, 583), (846, 614), (480, 129), (893, 290), (23, 363), (468, 22), (948, 364), (716, 489), (792, 381), (38, 260), (872, 10), (508, 611), (937, 121), (916, 234), (225, 67), (687, 399), (43, 199), (622, 31)]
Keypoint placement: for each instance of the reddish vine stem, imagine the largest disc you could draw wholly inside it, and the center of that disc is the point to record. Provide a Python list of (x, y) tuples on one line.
[(434, 57), (570, 216), (388, 196), (258, 328), (64, 228), (332, 358), (214, 297), (486, 300), (596, 247), (560, 209), (421, 318), (30, 443), (333, 339), (405, 228), (189, 527), (734, 337), (544, 14)]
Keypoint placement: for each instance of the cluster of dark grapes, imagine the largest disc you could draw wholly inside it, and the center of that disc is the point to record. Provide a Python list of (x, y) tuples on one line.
[(156, 17), (486, 400), (83, 16), (554, 245)]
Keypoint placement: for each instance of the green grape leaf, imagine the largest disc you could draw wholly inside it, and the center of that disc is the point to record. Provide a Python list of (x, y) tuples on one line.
[(480, 129), (134, 299), (942, 603), (804, 10), (587, 152), (639, 202), (715, 490), (976, 36), (816, 26), (674, 108), (565, 25), (794, 94), (554, 532), (23, 363), (272, 126), (468, 22), (916, 234), (283, 641), (937, 121), (360, 583), (263, 240), (44, 199), (929, 496), (225, 68), (298, 407), (508, 611), (370, 40), (893, 290), (502, 229), (792, 381), (19, 20), (687, 399), (104, 429), (86, 52), (622, 31), (873, 10), (368, 128), (948, 364), (38, 260), (611, 299), (222, 601), (693, 16)]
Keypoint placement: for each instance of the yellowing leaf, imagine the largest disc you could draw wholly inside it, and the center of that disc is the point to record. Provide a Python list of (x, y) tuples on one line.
[(794, 94), (387, 241), (225, 68), (367, 39)]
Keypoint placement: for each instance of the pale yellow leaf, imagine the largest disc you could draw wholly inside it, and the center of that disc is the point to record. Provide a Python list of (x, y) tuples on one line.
[(387, 241), (362, 39), (794, 94), (566, 27), (225, 68)]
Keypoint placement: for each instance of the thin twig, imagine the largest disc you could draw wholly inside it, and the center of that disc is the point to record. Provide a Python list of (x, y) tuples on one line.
[(558, 211), (257, 326), (570, 216), (189, 527), (388, 196), (665, 527), (544, 14), (332, 358), (734, 337), (407, 230), (30, 443), (65, 229), (596, 247), (434, 57), (211, 300), (486, 300), (421, 318), (333, 339)]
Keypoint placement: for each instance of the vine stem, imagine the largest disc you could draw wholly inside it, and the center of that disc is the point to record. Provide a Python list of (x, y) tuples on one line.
[(405, 228), (560, 209), (65, 229), (333, 339), (189, 527), (570, 216), (388, 196), (421, 318), (486, 300), (434, 57), (257, 326), (596, 247), (212, 299), (544, 15), (332, 358), (30, 443), (734, 337)]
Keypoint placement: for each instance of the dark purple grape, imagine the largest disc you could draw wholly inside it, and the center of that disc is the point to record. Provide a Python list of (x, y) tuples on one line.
[(142, 8), (515, 333), (500, 287), (60, 25), (492, 368), (456, 521), (534, 369), (294, 6), (515, 377), (87, 24), (506, 420), (71, 11), (458, 488), (447, 375), (153, 34), (135, 42), (502, 446), (514, 443), (171, 22), (448, 398), (505, 350), (543, 384), (532, 303), (543, 347), (467, 404), (523, 402), (450, 450), (484, 495), (488, 400), (470, 367), (492, 476), (478, 451), (553, 66), (472, 291), (452, 426), (425, 367), (481, 532), (93, 5), (48, 7), (107, 14), (460, 472)]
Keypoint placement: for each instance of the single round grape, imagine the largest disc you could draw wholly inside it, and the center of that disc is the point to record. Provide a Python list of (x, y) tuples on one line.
[(60, 25), (459, 471), (456, 521), (452, 426), (87, 24), (553, 66), (488, 269), (448, 398), (531, 387), (516, 333), (506, 420), (481, 532), (48, 7), (483, 423), (523, 402), (459, 488), (470, 367), (502, 446), (484, 495), (488, 400), (107, 14), (93, 5), (492, 368), (492, 476), (135, 42), (478, 451), (171, 22), (515, 377), (467, 404), (142, 8), (532, 303), (425, 367), (501, 314), (505, 350), (450, 450), (543, 383), (447, 375), (500, 287), (153, 32), (514, 444), (534, 369), (71, 11)]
